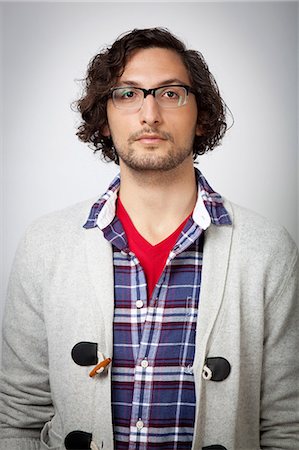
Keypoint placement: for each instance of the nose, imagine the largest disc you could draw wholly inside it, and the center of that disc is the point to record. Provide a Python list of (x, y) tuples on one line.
[(150, 111)]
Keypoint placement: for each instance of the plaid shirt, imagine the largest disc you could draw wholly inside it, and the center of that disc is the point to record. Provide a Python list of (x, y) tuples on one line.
[(153, 393)]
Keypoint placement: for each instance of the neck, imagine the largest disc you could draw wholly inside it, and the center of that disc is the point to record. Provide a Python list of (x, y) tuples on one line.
[(156, 201)]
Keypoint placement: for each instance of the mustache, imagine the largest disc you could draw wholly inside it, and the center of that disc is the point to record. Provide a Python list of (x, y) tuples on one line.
[(162, 134)]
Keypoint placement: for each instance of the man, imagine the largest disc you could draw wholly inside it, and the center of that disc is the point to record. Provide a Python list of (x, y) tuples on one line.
[(169, 320)]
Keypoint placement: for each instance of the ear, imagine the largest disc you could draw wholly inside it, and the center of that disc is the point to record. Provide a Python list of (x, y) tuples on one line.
[(106, 130)]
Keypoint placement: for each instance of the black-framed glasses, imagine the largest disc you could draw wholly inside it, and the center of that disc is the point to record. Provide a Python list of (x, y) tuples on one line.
[(170, 96)]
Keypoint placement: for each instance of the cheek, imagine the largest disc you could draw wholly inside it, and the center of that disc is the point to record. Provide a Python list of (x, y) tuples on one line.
[(118, 123), (187, 127), (186, 124)]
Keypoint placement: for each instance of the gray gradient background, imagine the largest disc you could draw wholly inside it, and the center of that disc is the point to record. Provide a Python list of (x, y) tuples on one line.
[(252, 50)]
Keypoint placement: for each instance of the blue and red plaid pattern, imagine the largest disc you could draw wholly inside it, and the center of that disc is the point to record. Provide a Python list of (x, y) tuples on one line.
[(153, 394)]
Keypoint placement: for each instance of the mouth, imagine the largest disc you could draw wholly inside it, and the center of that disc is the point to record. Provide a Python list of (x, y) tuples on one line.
[(150, 139)]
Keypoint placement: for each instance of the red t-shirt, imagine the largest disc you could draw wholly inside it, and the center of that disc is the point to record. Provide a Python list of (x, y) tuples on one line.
[(151, 257)]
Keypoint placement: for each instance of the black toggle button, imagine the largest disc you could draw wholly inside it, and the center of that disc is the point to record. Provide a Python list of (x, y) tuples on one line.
[(78, 440), (220, 368), (85, 353), (214, 447)]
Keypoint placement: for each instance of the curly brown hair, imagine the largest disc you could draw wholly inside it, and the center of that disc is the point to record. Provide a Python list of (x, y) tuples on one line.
[(108, 65)]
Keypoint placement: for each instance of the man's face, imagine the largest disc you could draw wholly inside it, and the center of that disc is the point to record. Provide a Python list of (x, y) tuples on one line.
[(153, 137)]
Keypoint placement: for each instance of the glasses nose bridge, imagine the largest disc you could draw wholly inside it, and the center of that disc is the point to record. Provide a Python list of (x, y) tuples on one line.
[(147, 92)]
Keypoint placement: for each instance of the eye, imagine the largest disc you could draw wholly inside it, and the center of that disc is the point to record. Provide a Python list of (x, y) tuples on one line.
[(127, 94), (171, 94)]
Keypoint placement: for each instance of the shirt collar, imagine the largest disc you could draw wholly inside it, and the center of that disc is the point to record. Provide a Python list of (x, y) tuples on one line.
[(209, 207)]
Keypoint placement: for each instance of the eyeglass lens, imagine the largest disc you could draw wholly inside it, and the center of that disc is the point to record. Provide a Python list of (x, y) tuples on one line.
[(166, 96)]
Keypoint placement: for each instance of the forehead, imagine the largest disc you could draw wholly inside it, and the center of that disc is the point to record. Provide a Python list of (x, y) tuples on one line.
[(153, 66)]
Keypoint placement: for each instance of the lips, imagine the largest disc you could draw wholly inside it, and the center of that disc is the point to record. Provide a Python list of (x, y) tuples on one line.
[(150, 138)]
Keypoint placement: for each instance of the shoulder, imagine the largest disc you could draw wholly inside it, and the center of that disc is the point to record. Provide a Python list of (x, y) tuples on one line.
[(70, 218), (57, 230), (255, 230), (261, 247), (73, 215)]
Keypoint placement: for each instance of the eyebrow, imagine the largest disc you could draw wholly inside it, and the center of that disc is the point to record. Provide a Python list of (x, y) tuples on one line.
[(162, 83)]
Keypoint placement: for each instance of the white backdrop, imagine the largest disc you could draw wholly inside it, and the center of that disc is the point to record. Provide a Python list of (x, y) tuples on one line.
[(251, 49)]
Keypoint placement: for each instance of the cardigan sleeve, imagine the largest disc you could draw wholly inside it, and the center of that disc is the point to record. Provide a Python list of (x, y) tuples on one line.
[(279, 425), (25, 399)]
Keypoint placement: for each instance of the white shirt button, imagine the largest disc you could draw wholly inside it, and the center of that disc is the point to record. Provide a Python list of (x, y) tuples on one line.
[(144, 363), (139, 303), (139, 424)]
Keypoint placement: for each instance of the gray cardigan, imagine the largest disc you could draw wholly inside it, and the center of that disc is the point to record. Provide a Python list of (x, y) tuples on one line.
[(61, 293)]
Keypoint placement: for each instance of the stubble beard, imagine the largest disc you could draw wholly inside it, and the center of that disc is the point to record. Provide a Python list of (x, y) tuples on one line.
[(172, 158)]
